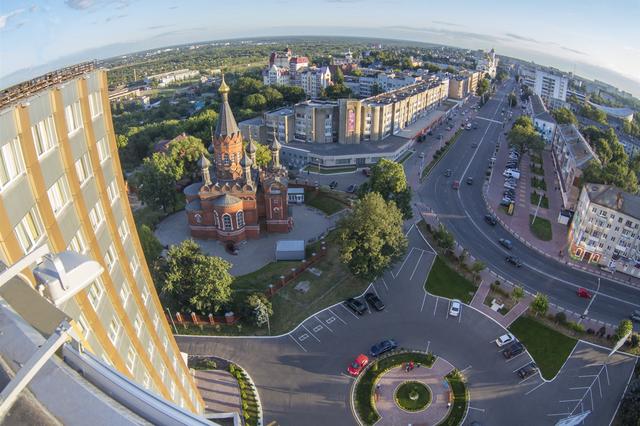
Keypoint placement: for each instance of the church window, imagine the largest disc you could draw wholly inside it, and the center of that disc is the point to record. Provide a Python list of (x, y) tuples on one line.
[(226, 221), (240, 219), (226, 159)]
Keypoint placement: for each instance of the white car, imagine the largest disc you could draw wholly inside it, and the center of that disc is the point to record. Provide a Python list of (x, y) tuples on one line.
[(454, 308), (505, 339)]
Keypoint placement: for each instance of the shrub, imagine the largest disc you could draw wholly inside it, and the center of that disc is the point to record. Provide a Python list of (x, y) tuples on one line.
[(561, 318), (578, 328), (590, 331), (635, 340)]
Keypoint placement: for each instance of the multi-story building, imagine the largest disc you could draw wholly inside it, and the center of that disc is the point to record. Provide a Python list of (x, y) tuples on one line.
[(606, 228), (280, 59), (61, 185), (464, 84), (571, 154), (281, 123), (543, 121), (314, 80), (276, 76), (487, 63), (316, 122), (551, 87), (171, 77)]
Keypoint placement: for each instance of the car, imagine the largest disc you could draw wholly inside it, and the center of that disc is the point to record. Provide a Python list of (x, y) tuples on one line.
[(474, 145), (475, 126), (505, 339), (382, 347), (357, 306), (366, 172), (421, 155), (374, 301), (351, 189), (455, 307), (231, 248), (447, 172), (469, 180), (490, 219), (583, 292), (515, 261), (333, 185), (506, 243), (635, 316), (358, 365), (509, 185), (528, 370), (516, 348), (455, 184), (506, 202)]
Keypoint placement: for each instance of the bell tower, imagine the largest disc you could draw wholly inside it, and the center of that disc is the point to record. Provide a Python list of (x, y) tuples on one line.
[(227, 141)]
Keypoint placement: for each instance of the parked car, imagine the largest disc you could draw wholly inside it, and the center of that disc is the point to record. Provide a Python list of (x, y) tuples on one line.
[(635, 316), (469, 180), (516, 348), (357, 306), (447, 172), (333, 185), (474, 145), (490, 219), (421, 155), (515, 261), (506, 202), (358, 365), (510, 173), (455, 184), (374, 301), (455, 307), (583, 292), (382, 347), (528, 370), (506, 243), (505, 339), (366, 172), (351, 189)]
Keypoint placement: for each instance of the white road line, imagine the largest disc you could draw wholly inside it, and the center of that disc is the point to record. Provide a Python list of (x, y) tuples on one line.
[(312, 335), (466, 368), (405, 261), (569, 400), (435, 306), (460, 315), (423, 300), (535, 388), (297, 343), (348, 310), (593, 407), (515, 357), (477, 409), (385, 283), (579, 388), (328, 328), (428, 344), (520, 367), (559, 414), (527, 378), (606, 370), (374, 290), (337, 316), (488, 119), (417, 264), (589, 375)]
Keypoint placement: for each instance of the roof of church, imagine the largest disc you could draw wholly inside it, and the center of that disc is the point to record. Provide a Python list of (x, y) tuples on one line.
[(226, 121), (251, 147), (245, 161), (226, 200)]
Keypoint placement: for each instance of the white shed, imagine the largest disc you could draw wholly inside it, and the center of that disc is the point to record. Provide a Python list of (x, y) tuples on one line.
[(290, 249), (296, 195)]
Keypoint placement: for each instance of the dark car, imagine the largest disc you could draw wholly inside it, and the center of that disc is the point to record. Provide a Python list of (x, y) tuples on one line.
[(447, 172), (356, 305), (635, 316), (333, 185), (469, 180), (506, 243), (528, 370), (490, 220), (513, 349), (382, 347), (374, 301), (231, 248), (351, 189), (515, 261)]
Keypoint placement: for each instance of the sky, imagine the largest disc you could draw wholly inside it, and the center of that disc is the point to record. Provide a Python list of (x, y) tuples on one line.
[(596, 39)]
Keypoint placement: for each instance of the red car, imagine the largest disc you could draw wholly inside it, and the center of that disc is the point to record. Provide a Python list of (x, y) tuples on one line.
[(456, 184), (583, 292), (358, 364)]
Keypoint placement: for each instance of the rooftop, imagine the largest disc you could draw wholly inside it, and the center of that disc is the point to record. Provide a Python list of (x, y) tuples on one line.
[(388, 145), (575, 142), (614, 198), (624, 113), (539, 110)]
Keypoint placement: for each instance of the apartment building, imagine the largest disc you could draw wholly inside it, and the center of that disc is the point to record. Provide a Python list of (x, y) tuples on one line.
[(281, 123), (543, 121), (171, 77), (61, 184), (606, 229), (314, 80), (276, 76), (316, 122), (551, 87), (464, 84)]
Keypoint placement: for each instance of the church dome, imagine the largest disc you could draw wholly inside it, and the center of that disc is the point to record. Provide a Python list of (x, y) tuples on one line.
[(226, 200)]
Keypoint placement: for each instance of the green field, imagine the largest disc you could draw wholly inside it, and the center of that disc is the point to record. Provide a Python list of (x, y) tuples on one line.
[(323, 202), (444, 281), (548, 348), (541, 228)]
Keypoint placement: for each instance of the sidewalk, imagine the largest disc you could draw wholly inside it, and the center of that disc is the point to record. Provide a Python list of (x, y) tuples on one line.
[(483, 290)]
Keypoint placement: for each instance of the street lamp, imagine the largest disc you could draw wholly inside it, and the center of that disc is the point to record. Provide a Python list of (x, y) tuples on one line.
[(61, 276)]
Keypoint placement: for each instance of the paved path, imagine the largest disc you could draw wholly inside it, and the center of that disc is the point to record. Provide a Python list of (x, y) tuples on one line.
[(219, 390), (482, 292), (433, 377)]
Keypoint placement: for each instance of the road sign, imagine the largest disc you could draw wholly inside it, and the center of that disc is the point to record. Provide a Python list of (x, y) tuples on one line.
[(573, 420)]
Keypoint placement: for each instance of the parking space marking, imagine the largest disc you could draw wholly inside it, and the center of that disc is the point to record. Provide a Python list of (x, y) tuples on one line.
[(374, 290), (589, 375), (428, 344), (559, 414), (512, 358), (385, 284), (317, 328), (460, 315), (405, 261), (330, 320), (435, 306), (328, 328), (303, 337), (297, 343), (477, 409), (527, 378), (521, 367), (337, 316), (348, 310), (569, 400), (312, 335), (578, 388), (423, 300), (417, 264), (466, 368)]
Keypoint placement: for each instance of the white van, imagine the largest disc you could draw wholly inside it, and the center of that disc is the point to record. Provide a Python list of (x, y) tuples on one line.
[(511, 173)]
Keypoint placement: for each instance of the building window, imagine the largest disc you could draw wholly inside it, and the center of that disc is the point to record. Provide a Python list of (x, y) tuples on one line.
[(96, 216), (123, 230), (83, 169), (95, 293), (131, 359), (110, 258), (226, 159), (84, 326), (73, 115), (163, 371), (145, 295), (78, 243), (172, 389), (44, 135), (114, 330), (151, 350), (95, 104), (216, 219), (165, 343), (134, 263), (146, 381), (59, 195), (137, 324), (29, 230), (125, 293), (156, 321), (112, 192), (103, 150), (226, 221), (240, 219), (11, 163)]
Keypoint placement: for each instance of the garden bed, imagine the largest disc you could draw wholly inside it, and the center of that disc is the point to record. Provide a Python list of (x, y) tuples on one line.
[(324, 202), (535, 198), (412, 396), (439, 154), (458, 409), (541, 228)]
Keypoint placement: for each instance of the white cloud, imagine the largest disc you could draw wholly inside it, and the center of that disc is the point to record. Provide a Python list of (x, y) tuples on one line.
[(79, 4), (5, 18)]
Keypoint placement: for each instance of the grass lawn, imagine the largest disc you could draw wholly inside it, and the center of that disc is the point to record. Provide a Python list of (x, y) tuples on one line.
[(329, 170), (460, 400), (444, 281), (405, 156), (538, 183), (541, 228), (321, 201), (548, 347), (410, 389), (151, 217), (535, 198)]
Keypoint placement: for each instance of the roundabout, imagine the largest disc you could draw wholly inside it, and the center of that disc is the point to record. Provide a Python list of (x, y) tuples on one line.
[(412, 396)]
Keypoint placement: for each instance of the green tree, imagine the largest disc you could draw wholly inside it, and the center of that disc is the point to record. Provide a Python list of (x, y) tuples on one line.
[(259, 307), (151, 246), (263, 155), (444, 238), (388, 179), (338, 91), (243, 87), (255, 101), (624, 328), (483, 86), (524, 136), (593, 113), (564, 116), (540, 304), (371, 238), (156, 181), (273, 97), (186, 152), (122, 141), (517, 293), (195, 282), (338, 76), (292, 94), (476, 268), (512, 99)]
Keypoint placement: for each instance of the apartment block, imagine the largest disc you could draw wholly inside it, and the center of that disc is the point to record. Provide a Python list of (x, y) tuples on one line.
[(551, 87), (606, 229), (61, 184), (281, 123), (316, 122)]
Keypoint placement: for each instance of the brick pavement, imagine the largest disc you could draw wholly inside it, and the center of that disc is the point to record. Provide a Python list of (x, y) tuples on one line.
[(433, 377), (219, 390)]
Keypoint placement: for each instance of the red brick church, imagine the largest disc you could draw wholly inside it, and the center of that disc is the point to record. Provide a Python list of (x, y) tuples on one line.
[(235, 199)]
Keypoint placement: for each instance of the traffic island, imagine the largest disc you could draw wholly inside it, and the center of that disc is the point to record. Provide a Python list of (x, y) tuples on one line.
[(412, 396)]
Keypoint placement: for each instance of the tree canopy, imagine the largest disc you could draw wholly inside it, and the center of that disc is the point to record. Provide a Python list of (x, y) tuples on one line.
[(185, 152), (337, 91), (564, 116), (524, 136), (483, 86), (593, 113), (388, 179), (371, 238), (193, 281), (156, 181)]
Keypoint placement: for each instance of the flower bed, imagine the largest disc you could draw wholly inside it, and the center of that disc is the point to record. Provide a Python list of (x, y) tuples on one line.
[(412, 396)]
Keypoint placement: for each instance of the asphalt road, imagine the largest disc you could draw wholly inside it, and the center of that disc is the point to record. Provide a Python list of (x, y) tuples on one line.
[(463, 211)]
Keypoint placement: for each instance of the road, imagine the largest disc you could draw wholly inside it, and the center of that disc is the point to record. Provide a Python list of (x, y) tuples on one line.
[(462, 212)]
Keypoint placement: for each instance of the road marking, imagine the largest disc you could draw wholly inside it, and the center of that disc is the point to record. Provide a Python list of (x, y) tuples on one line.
[(323, 323), (477, 409), (428, 344), (298, 343), (488, 119), (347, 376), (570, 400), (423, 300), (535, 388), (374, 290), (515, 357), (312, 335), (330, 320), (527, 378), (579, 388), (337, 316), (303, 337), (435, 306), (521, 367), (405, 261), (589, 375), (349, 310), (559, 414), (466, 368), (317, 328), (417, 264), (385, 283)]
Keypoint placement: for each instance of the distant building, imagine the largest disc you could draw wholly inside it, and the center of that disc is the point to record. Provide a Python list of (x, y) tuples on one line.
[(314, 80), (552, 88), (543, 121), (622, 114), (487, 63), (464, 84), (167, 78), (280, 123), (276, 76), (316, 122), (605, 229)]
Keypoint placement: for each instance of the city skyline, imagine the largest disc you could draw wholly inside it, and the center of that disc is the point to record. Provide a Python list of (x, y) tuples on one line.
[(564, 40)]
